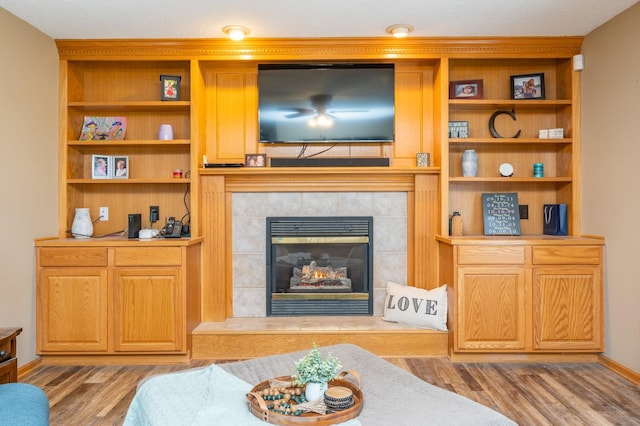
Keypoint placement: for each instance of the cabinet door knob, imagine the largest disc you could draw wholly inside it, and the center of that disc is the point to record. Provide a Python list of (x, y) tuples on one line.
[(3, 354)]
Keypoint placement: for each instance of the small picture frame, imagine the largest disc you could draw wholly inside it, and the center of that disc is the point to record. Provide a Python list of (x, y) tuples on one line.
[(465, 89), (458, 129), (527, 86), (101, 166), (170, 87), (255, 160), (121, 167)]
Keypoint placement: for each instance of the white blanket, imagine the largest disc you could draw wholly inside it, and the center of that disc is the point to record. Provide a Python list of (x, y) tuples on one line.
[(203, 396)]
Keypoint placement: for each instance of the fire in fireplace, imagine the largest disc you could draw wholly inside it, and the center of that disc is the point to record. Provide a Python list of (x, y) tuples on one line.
[(319, 266)]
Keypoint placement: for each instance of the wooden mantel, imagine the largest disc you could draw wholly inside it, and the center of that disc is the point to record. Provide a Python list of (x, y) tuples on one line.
[(218, 184)]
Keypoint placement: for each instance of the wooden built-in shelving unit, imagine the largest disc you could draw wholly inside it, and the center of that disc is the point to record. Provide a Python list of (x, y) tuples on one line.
[(217, 116)]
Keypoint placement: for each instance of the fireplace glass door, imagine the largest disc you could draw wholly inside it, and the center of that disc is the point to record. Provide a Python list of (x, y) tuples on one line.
[(319, 266)]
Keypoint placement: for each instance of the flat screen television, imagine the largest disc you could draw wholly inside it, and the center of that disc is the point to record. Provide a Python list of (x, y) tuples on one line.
[(326, 103)]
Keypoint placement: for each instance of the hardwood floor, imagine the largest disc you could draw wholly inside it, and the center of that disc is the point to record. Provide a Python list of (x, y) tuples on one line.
[(530, 394)]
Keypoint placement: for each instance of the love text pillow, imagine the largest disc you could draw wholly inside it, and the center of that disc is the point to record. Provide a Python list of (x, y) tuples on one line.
[(415, 306)]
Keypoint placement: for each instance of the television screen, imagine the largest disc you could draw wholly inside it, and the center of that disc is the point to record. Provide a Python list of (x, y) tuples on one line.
[(335, 103)]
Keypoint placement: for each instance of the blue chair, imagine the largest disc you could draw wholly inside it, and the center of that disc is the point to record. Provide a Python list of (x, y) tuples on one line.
[(23, 404)]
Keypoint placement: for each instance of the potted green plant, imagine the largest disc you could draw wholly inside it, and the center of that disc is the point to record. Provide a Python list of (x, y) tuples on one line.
[(313, 371)]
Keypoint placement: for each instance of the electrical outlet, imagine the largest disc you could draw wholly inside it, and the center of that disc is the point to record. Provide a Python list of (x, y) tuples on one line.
[(524, 211), (104, 214), (154, 214)]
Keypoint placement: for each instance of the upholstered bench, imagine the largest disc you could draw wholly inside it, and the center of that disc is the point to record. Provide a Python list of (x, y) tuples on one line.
[(23, 404), (392, 396)]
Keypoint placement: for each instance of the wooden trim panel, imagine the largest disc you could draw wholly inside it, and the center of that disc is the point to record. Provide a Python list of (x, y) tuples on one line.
[(218, 184), (320, 48)]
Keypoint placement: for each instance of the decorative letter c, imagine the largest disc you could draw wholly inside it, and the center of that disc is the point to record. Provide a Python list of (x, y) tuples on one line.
[(492, 128)]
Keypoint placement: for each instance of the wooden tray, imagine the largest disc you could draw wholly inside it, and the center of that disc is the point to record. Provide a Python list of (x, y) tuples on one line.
[(258, 406)]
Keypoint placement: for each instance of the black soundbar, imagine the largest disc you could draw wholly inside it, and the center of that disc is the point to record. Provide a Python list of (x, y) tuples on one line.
[(330, 162), (216, 165)]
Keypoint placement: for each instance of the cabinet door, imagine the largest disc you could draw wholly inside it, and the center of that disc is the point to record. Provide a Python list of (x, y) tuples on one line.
[(490, 308), (148, 310), (9, 371), (72, 309), (567, 308)]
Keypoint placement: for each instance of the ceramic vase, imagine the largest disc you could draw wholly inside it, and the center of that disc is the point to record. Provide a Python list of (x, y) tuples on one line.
[(315, 391), (82, 227), (165, 133), (469, 163)]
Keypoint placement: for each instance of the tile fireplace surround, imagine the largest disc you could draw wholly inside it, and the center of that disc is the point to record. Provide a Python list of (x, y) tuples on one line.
[(249, 213), (235, 204)]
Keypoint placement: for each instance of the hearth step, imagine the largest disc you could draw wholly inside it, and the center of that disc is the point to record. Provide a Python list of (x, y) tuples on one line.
[(240, 338)]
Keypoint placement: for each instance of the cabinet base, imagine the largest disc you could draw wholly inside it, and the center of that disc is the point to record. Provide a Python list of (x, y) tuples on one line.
[(524, 357), (145, 359)]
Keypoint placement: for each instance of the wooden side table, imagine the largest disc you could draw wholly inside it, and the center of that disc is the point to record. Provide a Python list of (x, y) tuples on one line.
[(8, 360)]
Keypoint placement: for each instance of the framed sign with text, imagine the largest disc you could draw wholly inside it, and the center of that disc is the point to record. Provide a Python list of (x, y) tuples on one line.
[(501, 214)]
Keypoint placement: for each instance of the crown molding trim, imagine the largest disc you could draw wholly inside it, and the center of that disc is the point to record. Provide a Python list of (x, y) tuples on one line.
[(320, 48)]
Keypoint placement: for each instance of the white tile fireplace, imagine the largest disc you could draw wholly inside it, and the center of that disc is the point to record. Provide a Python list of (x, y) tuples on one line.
[(249, 213)]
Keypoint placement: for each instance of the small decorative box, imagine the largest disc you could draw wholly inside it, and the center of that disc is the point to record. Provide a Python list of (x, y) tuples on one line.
[(423, 159), (556, 133), (458, 129)]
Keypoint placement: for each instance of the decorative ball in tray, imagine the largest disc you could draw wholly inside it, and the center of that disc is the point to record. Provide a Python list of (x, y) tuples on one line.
[(278, 401)]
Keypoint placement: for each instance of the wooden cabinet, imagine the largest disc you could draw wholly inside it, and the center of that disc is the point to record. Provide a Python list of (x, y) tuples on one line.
[(491, 307), (72, 305), (8, 357), (567, 298), (148, 315), (72, 299), (116, 296), (560, 183), (507, 296), (540, 295)]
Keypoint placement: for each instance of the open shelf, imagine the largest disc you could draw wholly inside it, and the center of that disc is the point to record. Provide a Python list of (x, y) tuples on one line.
[(559, 184), (131, 89)]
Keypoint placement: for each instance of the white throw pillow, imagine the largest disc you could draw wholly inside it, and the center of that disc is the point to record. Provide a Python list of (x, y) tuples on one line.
[(415, 306)]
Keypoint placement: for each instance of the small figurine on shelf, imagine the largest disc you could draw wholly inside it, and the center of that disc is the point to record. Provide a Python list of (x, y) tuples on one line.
[(456, 225)]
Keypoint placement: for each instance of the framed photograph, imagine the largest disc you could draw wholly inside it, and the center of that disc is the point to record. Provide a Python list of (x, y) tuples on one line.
[(527, 86), (121, 167), (103, 128), (465, 89), (170, 87), (458, 129), (255, 160), (101, 167)]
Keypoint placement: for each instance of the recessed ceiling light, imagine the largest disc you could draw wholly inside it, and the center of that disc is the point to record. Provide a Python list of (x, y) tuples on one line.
[(235, 32), (400, 30)]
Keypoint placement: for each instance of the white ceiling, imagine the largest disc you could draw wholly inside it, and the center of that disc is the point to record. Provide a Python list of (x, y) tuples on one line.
[(94, 19)]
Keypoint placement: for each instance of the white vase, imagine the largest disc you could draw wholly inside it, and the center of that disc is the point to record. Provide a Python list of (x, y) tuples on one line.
[(165, 132), (315, 391), (469, 163), (82, 227)]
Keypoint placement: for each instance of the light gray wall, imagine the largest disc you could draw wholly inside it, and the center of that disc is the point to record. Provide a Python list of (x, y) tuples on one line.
[(29, 177), (611, 173)]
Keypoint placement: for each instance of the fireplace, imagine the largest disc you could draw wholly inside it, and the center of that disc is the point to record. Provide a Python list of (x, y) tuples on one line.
[(319, 266)]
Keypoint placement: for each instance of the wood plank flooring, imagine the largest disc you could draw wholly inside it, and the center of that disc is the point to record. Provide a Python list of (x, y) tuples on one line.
[(530, 394)]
